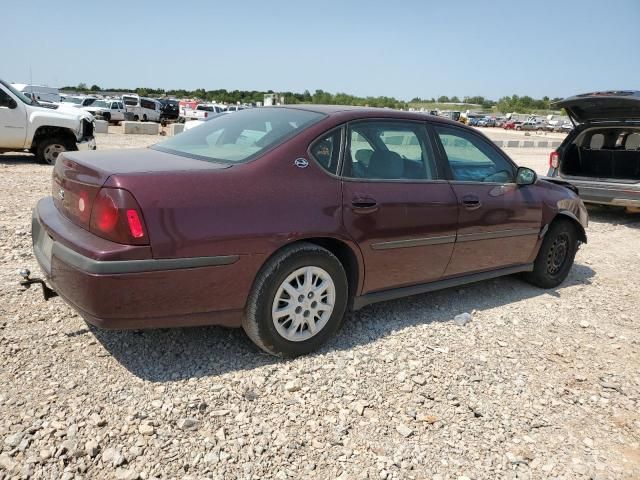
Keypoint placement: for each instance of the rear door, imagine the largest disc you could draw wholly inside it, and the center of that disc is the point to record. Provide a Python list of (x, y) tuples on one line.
[(498, 221), (396, 205)]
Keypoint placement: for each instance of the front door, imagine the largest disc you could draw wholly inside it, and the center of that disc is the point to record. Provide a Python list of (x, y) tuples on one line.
[(498, 222), (396, 205), (13, 122)]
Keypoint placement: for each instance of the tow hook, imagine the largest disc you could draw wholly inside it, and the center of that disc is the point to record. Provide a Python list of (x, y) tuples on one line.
[(26, 282)]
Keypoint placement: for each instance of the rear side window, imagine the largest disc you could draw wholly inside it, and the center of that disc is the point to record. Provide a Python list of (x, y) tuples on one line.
[(326, 151), (472, 159), (383, 150), (240, 137), (147, 104)]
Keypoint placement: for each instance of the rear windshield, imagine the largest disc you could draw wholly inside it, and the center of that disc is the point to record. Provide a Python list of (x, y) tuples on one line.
[(239, 137)]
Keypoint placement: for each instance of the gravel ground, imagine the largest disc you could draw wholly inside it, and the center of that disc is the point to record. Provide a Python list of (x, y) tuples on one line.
[(539, 384)]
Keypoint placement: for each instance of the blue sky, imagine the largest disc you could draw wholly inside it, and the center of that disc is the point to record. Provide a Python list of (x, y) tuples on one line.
[(395, 48)]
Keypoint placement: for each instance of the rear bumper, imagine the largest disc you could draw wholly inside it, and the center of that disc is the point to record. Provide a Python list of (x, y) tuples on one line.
[(604, 193), (135, 293)]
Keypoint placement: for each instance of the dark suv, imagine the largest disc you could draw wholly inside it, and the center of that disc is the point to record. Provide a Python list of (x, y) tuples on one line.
[(601, 155), (170, 109)]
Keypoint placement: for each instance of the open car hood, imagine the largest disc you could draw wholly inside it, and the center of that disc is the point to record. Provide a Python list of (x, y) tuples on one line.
[(612, 106)]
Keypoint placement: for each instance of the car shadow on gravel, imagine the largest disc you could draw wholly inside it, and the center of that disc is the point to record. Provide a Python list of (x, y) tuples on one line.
[(182, 353), (10, 159), (613, 216)]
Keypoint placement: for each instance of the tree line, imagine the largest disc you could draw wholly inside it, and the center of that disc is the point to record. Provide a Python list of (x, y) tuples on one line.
[(513, 103)]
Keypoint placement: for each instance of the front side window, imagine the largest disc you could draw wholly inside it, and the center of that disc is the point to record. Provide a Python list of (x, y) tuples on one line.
[(240, 137), (326, 151), (20, 95), (5, 99), (383, 150), (472, 159)]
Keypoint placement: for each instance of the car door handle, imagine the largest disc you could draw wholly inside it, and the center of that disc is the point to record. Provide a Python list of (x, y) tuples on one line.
[(471, 202), (364, 205)]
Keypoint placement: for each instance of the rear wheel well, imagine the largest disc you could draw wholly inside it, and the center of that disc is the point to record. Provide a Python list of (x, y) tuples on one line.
[(344, 254), (64, 134)]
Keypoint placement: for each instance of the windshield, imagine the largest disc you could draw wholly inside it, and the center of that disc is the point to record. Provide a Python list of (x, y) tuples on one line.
[(240, 137), (100, 104), (75, 100), (23, 98)]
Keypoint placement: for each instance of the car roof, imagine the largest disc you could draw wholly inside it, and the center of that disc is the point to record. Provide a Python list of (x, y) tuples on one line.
[(355, 112)]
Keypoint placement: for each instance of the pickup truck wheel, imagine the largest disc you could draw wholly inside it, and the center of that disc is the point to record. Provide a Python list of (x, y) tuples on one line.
[(107, 116), (298, 301), (144, 117), (49, 150), (136, 118)]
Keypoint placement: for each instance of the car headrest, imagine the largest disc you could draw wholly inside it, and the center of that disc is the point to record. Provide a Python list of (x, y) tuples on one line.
[(633, 142), (363, 155), (597, 141), (385, 165)]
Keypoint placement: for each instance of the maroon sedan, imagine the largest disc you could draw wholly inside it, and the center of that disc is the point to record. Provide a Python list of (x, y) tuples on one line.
[(281, 219)]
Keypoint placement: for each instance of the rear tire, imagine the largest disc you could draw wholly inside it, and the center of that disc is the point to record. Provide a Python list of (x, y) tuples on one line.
[(136, 118), (556, 255), (296, 323)]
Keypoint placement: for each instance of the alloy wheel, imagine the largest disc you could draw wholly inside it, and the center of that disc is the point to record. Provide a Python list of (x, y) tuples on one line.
[(303, 303)]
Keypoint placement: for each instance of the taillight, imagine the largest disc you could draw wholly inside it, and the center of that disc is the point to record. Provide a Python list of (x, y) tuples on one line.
[(206, 114), (116, 216), (554, 159), (135, 225)]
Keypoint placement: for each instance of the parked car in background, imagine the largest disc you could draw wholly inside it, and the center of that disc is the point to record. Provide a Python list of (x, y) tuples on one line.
[(170, 109), (511, 124), (188, 125), (205, 110), (38, 92), (487, 122), (77, 101), (144, 109), (109, 110), (499, 122), (601, 155), (235, 108), (25, 125), (566, 127), (530, 125), (340, 207)]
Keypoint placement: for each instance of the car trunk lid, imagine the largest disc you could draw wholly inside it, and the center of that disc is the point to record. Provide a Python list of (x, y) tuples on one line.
[(619, 105), (79, 176)]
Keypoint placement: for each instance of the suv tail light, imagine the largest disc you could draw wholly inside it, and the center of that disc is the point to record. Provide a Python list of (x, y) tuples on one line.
[(554, 159), (116, 216)]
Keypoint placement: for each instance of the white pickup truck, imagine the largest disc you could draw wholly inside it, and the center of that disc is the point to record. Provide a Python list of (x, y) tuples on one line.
[(44, 132)]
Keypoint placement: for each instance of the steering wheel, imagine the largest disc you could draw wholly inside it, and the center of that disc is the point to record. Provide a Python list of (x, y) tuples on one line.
[(492, 177)]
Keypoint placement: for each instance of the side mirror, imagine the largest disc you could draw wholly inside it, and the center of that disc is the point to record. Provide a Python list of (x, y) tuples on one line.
[(525, 176), (8, 103)]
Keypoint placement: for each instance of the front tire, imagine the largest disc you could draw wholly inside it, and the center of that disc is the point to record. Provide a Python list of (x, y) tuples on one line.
[(298, 301), (556, 255), (49, 149)]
